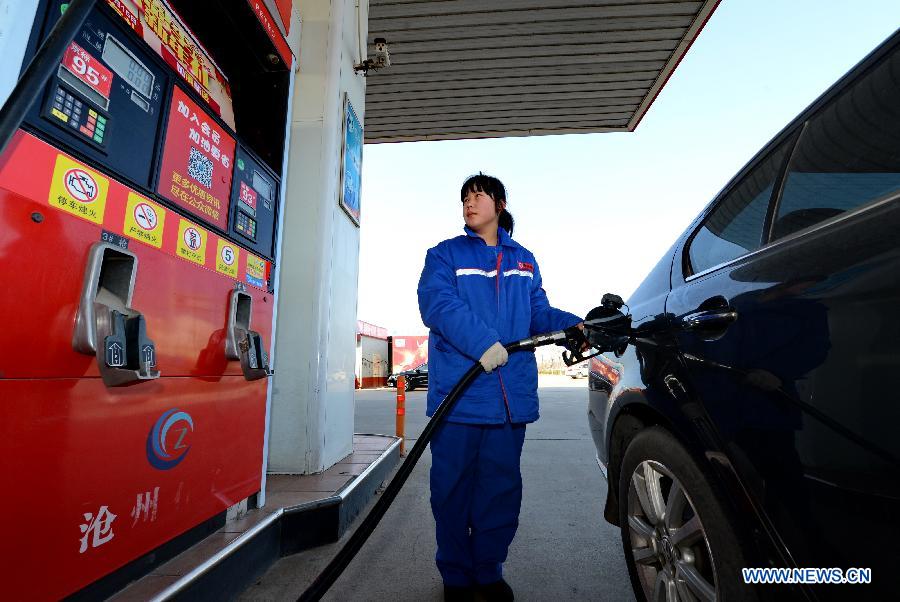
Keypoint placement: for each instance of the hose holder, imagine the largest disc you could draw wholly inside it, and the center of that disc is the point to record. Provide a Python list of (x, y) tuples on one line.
[(241, 343)]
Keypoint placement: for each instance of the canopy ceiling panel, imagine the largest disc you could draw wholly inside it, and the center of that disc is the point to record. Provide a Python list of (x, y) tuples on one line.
[(496, 68)]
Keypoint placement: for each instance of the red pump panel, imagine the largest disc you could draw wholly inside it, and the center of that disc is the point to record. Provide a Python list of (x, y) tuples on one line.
[(185, 303), (111, 473), (105, 460)]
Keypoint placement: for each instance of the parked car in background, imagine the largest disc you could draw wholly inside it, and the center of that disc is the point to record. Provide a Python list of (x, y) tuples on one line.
[(580, 370), (753, 422), (415, 377)]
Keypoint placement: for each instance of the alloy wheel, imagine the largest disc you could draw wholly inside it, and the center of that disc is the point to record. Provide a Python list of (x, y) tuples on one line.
[(669, 545)]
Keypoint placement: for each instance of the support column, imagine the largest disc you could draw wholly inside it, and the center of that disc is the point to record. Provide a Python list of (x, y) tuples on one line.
[(315, 344)]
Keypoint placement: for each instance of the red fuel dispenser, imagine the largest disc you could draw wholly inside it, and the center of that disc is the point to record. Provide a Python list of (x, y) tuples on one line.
[(138, 223)]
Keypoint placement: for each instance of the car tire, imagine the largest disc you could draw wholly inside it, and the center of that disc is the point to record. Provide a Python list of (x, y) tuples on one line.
[(693, 549), (409, 386)]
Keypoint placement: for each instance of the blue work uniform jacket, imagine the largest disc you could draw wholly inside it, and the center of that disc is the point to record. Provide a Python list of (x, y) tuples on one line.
[(471, 296)]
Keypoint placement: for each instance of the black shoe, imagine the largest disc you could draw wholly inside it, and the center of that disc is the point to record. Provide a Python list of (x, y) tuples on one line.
[(458, 593), (498, 591)]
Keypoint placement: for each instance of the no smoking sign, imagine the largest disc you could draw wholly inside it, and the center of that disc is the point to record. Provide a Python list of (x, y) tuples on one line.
[(145, 217), (144, 221)]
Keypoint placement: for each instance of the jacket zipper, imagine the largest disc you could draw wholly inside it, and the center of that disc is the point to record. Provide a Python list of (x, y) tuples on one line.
[(499, 261), (502, 388)]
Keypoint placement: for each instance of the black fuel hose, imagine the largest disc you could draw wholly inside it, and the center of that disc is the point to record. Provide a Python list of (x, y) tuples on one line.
[(327, 577), (44, 64)]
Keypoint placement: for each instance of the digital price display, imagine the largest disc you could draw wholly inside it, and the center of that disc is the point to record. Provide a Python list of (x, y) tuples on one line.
[(127, 66), (262, 186)]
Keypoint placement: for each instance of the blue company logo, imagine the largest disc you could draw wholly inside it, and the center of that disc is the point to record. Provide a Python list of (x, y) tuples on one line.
[(181, 426)]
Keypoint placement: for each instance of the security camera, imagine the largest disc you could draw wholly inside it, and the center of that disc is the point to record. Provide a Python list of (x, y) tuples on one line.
[(382, 56), (381, 60)]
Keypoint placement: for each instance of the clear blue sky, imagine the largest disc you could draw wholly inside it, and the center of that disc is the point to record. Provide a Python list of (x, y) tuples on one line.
[(624, 197)]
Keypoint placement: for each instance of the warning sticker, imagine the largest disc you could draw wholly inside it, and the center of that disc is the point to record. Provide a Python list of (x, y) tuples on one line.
[(256, 271), (192, 242), (78, 190), (144, 220), (227, 256)]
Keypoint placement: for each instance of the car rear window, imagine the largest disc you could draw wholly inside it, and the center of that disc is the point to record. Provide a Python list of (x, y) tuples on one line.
[(848, 154)]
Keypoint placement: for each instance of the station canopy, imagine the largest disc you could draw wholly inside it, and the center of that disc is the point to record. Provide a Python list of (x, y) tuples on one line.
[(496, 68)]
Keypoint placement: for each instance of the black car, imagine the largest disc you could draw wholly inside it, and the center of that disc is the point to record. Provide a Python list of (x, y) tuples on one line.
[(753, 420), (415, 377)]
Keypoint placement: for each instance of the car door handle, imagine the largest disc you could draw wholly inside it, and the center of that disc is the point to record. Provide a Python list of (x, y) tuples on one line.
[(709, 319)]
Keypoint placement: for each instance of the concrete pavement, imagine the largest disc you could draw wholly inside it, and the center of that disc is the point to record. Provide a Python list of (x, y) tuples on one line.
[(564, 550)]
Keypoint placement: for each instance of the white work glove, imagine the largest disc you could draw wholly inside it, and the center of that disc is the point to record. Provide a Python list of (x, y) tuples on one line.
[(496, 355)]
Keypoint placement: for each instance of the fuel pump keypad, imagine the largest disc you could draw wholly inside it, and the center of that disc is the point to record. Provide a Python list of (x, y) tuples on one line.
[(71, 111), (95, 127), (245, 225), (67, 108)]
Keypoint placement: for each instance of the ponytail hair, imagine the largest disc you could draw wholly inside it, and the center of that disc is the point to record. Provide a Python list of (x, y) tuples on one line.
[(495, 189), (507, 222)]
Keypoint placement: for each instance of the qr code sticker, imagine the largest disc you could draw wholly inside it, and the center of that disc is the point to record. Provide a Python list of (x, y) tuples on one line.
[(200, 167)]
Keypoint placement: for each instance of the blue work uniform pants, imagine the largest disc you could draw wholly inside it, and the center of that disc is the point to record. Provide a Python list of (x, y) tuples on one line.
[(476, 494)]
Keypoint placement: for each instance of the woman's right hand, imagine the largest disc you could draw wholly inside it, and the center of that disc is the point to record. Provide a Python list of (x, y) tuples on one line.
[(495, 355)]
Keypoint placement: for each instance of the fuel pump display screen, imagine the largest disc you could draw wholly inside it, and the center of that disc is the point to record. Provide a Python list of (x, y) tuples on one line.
[(105, 100), (132, 70), (253, 196), (197, 162), (262, 186)]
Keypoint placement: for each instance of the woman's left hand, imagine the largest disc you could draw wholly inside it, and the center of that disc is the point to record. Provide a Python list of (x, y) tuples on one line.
[(585, 345)]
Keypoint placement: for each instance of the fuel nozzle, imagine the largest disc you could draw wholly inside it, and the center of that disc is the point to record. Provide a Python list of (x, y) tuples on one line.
[(607, 327), (577, 345), (254, 359)]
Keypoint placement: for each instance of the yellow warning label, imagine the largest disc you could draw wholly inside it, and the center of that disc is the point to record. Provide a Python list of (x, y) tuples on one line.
[(78, 190), (227, 258), (192, 242), (144, 220), (256, 271)]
